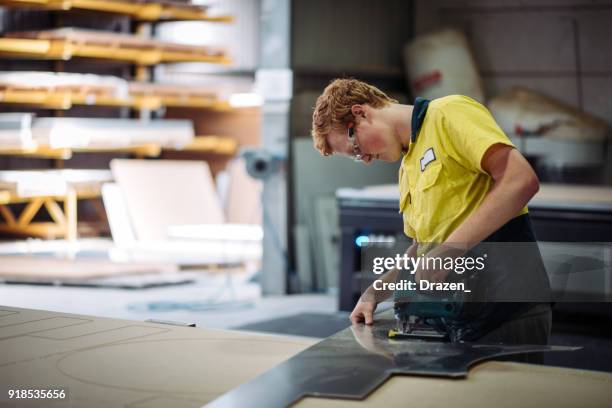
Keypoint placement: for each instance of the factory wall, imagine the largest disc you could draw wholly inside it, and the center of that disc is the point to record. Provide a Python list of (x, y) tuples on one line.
[(346, 38), (559, 48)]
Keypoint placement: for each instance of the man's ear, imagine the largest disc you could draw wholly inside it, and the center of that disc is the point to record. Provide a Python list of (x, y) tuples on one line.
[(358, 111)]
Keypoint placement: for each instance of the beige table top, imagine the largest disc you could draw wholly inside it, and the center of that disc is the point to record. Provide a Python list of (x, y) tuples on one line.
[(574, 194), (115, 363), (110, 363), (550, 194)]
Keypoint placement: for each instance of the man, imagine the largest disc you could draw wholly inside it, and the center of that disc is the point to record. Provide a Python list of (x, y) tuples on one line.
[(461, 182)]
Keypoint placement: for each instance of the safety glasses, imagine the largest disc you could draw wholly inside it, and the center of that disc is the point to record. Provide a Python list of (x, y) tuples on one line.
[(357, 155)]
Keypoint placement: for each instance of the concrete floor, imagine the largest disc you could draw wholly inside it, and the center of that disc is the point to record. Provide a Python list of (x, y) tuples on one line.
[(244, 306), (242, 302)]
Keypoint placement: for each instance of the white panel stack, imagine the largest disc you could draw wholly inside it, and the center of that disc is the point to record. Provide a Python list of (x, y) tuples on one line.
[(15, 130), (111, 133), (62, 81), (34, 183)]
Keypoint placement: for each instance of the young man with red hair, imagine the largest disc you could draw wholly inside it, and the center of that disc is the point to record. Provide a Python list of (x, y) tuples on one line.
[(461, 182)]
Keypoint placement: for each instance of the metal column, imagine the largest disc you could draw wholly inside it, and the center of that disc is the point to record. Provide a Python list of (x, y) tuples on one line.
[(274, 82)]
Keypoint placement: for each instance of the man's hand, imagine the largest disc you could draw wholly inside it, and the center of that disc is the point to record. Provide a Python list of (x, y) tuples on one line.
[(363, 312)]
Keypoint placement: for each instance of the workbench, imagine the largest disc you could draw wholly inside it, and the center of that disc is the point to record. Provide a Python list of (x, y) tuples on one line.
[(102, 362), (38, 189), (560, 213)]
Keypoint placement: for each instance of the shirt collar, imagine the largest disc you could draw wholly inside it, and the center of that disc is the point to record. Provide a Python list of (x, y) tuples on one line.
[(418, 116)]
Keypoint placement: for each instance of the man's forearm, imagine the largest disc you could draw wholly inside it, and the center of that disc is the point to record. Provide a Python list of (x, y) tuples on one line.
[(514, 186), (499, 206)]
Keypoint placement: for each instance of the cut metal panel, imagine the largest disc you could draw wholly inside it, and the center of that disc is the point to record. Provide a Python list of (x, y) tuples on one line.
[(354, 362)]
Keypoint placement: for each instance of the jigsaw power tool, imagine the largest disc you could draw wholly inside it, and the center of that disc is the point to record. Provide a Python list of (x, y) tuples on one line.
[(414, 317), (416, 312)]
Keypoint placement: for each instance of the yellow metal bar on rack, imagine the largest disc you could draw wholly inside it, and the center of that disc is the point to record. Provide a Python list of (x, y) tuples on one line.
[(149, 11), (36, 96), (20, 47), (64, 44), (44, 152), (144, 96), (211, 144), (64, 153), (140, 150)]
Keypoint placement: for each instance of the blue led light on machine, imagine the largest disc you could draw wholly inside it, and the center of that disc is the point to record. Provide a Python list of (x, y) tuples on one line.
[(364, 240)]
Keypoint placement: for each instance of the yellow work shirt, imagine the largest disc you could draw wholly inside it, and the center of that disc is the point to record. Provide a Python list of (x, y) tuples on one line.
[(441, 180)]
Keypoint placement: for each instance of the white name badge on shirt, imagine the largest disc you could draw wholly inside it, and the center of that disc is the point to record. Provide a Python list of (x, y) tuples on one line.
[(427, 158)]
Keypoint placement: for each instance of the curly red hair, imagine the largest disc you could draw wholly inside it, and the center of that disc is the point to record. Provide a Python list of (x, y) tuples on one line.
[(333, 108)]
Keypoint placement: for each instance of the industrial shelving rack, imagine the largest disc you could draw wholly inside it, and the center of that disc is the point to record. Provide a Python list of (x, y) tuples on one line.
[(138, 50)]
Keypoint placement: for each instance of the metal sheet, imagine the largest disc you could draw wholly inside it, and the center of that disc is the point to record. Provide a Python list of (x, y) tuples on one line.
[(355, 361)]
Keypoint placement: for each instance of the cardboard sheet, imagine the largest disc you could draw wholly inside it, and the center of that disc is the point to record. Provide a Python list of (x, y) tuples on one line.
[(162, 193), (243, 205)]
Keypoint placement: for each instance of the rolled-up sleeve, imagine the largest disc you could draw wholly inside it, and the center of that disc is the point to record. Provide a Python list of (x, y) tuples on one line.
[(471, 130)]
